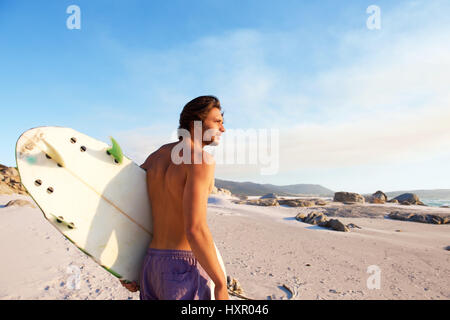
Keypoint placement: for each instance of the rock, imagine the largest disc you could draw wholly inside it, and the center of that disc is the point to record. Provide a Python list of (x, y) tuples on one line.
[(409, 198), (223, 191), (263, 202), (444, 206), (21, 203), (315, 218), (418, 217), (268, 202), (269, 196), (379, 197), (320, 202), (348, 197), (352, 225), (318, 218), (10, 181), (302, 202), (397, 215), (290, 203), (5, 189), (300, 216), (430, 218), (337, 225)]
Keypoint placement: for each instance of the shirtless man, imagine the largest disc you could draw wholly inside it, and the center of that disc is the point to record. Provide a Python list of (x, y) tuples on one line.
[(181, 256)]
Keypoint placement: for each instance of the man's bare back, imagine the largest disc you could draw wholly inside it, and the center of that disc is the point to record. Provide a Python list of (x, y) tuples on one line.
[(166, 182)]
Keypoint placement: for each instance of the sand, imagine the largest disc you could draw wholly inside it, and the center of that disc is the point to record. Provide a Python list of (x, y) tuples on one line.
[(263, 248)]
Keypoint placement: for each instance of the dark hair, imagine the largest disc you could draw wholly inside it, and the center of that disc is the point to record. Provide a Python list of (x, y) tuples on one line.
[(197, 109)]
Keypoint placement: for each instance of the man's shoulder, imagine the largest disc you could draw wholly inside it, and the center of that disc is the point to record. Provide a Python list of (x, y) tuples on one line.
[(155, 155)]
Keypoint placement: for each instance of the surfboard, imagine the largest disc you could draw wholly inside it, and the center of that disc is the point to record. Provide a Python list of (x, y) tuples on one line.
[(92, 193)]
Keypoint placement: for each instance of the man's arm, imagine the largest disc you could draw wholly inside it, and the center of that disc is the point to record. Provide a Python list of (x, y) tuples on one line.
[(195, 199)]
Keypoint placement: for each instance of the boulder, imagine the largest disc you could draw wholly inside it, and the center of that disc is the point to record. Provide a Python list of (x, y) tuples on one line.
[(409, 198), (348, 197), (380, 195), (337, 225), (297, 202)]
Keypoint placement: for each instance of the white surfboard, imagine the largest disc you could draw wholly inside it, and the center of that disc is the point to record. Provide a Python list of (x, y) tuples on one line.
[(100, 205)]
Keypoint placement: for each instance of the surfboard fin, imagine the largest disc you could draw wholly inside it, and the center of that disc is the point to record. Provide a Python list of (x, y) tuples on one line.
[(115, 151), (51, 153)]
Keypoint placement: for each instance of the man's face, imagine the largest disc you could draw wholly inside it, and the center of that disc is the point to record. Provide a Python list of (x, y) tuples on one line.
[(213, 127)]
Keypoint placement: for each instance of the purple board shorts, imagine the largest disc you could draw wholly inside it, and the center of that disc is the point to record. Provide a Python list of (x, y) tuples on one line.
[(173, 275)]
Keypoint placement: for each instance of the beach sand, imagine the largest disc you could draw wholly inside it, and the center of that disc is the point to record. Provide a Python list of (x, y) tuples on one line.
[(263, 248)]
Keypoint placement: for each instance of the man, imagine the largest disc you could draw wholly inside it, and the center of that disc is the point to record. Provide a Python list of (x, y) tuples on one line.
[(181, 256)]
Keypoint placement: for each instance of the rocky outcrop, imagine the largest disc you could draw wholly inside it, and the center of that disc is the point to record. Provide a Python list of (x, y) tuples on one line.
[(318, 218), (302, 202), (418, 217), (408, 199), (348, 197), (10, 181), (223, 191)]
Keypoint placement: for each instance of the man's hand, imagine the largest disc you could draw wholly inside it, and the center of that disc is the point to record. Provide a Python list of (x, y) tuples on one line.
[(131, 286)]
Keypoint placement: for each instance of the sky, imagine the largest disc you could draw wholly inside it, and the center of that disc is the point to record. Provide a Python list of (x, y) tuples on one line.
[(342, 104)]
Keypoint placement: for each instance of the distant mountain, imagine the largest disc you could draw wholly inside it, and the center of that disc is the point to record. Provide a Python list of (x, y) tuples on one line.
[(433, 194), (256, 189)]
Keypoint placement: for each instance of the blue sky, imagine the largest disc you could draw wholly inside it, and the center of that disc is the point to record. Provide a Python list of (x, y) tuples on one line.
[(356, 109)]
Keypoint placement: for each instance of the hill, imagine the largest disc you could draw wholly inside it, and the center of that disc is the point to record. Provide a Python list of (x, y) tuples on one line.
[(257, 189)]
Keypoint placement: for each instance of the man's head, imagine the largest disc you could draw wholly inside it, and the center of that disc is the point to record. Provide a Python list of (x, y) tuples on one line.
[(206, 109)]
